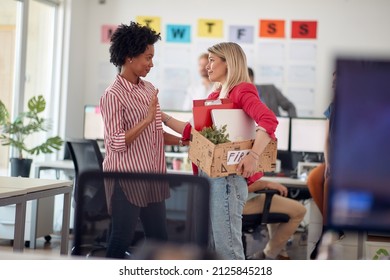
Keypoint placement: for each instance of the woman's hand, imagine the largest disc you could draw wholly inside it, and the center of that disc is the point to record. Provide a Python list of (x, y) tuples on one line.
[(283, 191), (151, 116), (267, 185), (248, 165)]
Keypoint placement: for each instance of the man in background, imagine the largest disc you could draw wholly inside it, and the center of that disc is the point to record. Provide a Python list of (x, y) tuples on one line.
[(273, 98), (202, 89)]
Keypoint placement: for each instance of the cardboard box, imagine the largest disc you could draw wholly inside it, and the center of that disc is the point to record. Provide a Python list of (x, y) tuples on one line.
[(221, 160)]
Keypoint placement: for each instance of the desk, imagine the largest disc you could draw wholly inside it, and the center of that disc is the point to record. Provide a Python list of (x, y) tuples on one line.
[(9, 196), (297, 188), (42, 211), (58, 165), (19, 190), (287, 181)]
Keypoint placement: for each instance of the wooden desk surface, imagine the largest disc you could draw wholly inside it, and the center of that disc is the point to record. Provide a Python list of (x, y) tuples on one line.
[(19, 190), (10, 192), (287, 181), (32, 184)]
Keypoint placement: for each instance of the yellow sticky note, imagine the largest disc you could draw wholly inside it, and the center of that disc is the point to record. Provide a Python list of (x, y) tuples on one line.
[(210, 28), (152, 22)]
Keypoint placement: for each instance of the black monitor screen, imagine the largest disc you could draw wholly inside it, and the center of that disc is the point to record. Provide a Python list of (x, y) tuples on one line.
[(360, 148)]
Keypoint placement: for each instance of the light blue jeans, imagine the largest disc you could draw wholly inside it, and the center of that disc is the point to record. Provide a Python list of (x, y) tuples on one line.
[(227, 199)]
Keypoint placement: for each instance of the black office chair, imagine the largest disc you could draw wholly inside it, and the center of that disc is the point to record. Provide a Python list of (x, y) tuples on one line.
[(196, 224), (86, 156), (252, 223)]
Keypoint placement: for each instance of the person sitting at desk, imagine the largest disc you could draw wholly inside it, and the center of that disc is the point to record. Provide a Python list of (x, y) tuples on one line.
[(279, 234), (273, 98)]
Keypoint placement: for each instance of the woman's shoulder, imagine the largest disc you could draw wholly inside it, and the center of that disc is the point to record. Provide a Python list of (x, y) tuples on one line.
[(115, 86), (112, 90), (244, 86), (247, 84)]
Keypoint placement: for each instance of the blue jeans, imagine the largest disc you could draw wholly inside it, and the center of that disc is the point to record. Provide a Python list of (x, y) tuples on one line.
[(227, 199)]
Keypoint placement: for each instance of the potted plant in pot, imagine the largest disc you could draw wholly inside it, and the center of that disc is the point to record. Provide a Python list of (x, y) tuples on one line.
[(15, 133)]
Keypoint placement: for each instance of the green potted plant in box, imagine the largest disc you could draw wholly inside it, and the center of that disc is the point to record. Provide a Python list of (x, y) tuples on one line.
[(15, 133)]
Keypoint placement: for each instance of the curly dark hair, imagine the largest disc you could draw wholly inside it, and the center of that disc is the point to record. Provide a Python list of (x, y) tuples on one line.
[(130, 41)]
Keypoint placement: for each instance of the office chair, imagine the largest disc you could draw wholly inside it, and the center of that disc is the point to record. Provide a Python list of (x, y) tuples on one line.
[(196, 213), (86, 156), (253, 222)]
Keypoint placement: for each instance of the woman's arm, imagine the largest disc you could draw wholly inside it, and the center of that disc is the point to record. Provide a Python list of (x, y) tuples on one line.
[(176, 125), (173, 123), (246, 96), (134, 132), (248, 164), (262, 184), (170, 139)]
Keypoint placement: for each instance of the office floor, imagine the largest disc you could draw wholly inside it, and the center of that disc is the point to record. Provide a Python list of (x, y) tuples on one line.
[(296, 250), (51, 248)]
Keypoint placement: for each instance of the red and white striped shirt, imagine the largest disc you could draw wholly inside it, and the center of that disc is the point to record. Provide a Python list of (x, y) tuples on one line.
[(124, 105)]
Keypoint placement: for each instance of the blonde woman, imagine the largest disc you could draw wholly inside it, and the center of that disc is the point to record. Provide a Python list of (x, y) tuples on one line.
[(227, 68)]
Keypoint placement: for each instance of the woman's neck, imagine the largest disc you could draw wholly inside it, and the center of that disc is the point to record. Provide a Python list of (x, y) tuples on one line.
[(134, 79)]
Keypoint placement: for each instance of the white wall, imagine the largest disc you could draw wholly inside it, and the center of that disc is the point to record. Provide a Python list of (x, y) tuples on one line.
[(344, 27)]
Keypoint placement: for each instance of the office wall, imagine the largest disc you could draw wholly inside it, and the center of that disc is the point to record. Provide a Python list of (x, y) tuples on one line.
[(344, 27)]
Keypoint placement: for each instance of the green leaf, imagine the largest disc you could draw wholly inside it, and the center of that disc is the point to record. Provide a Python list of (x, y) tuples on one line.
[(51, 144), (26, 123), (215, 135), (380, 252), (4, 115), (37, 104)]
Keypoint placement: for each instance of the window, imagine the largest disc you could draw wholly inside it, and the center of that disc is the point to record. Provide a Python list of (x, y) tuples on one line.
[(7, 38), (27, 68)]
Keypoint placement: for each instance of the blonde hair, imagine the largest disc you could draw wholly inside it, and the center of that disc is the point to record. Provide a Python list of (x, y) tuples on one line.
[(237, 69)]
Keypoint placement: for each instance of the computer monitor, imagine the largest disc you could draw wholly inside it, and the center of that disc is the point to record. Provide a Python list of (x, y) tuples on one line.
[(360, 151), (185, 116), (308, 135), (282, 133), (93, 123)]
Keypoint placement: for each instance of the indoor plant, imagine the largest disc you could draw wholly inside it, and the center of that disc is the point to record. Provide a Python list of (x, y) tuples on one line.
[(14, 134), (381, 254)]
